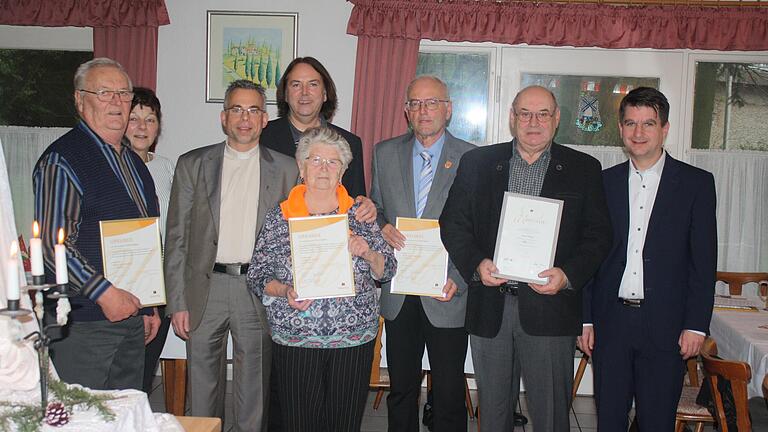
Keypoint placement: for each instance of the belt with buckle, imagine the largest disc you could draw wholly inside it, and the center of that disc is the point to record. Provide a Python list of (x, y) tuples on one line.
[(509, 288), (231, 269), (631, 302)]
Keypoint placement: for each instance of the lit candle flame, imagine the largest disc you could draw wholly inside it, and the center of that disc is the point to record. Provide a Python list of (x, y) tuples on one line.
[(14, 249), (35, 230), (61, 235)]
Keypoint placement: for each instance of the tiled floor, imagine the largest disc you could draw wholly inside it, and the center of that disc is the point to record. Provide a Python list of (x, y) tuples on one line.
[(583, 416)]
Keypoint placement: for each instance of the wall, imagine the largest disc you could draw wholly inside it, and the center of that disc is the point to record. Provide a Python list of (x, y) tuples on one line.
[(189, 122), (49, 38)]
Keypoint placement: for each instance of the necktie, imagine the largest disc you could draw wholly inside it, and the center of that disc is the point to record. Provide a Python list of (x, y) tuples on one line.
[(425, 182)]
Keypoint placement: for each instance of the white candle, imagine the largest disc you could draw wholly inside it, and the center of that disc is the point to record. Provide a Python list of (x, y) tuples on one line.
[(36, 251), (12, 270), (62, 275)]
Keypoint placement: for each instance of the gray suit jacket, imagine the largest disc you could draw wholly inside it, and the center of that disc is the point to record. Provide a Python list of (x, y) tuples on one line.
[(192, 228), (392, 192)]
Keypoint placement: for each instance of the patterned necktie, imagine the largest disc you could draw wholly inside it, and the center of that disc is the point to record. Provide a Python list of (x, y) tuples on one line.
[(425, 182)]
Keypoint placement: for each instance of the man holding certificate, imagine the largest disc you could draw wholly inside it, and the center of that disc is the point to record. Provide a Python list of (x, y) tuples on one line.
[(426, 302), (86, 177), (508, 320)]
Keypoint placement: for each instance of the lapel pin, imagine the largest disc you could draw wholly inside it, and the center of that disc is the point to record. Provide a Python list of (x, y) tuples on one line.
[(559, 167), (448, 164)]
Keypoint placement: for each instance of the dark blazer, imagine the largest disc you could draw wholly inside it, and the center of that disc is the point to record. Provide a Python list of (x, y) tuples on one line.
[(392, 192), (470, 221), (278, 136), (192, 228), (680, 254)]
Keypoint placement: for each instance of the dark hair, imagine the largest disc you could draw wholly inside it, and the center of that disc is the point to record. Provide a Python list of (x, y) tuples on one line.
[(246, 85), (646, 97), (146, 97), (331, 100)]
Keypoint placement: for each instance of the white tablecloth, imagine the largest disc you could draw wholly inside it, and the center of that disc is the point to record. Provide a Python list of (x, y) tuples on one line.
[(739, 337)]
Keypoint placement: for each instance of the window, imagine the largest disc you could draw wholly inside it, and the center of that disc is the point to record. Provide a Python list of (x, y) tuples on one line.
[(36, 87), (729, 98), (588, 105), (467, 74)]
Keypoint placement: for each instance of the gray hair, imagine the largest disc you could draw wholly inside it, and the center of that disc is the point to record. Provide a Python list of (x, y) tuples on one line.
[(327, 136), (245, 85), (432, 78), (85, 68)]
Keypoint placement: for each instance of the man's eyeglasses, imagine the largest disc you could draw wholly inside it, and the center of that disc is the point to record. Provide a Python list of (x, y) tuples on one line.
[(108, 95), (541, 116), (317, 161), (238, 110), (431, 104)]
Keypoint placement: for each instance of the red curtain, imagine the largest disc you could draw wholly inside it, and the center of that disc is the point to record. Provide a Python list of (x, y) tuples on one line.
[(134, 47), (124, 30), (84, 13), (383, 70), (560, 24)]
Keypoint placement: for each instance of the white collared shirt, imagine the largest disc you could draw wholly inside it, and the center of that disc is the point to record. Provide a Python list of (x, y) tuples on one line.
[(643, 186)]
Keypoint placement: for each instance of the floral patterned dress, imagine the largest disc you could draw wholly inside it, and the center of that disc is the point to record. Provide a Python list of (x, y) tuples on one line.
[(328, 323)]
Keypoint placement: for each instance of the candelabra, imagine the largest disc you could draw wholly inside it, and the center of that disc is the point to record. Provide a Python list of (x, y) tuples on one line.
[(41, 338)]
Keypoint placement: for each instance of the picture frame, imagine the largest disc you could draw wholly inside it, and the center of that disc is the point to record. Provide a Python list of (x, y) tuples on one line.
[(256, 46)]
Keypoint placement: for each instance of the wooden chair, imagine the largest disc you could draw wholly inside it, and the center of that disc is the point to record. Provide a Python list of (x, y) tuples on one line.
[(738, 374), (736, 280), (380, 379), (688, 411)]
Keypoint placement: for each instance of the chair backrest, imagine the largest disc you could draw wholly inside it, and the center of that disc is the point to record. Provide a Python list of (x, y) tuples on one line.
[(376, 379), (738, 374), (736, 280)]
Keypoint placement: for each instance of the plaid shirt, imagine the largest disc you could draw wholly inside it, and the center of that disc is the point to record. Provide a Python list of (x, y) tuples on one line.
[(524, 178)]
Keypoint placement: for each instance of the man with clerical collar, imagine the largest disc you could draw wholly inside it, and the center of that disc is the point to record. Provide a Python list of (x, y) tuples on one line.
[(219, 198), (510, 321), (87, 176), (306, 97)]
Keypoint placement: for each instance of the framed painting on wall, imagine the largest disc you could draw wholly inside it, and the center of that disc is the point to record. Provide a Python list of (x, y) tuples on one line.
[(255, 46)]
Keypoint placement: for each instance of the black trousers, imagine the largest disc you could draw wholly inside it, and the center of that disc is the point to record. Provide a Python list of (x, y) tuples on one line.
[(627, 365), (322, 390), (447, 348), (154, 349)]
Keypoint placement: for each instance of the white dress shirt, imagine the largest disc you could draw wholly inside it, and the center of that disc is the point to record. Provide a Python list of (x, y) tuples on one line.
[(643, 186)]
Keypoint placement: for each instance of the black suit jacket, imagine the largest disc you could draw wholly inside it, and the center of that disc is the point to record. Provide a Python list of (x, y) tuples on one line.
[(470, 220), (679, 255), (278, 136)]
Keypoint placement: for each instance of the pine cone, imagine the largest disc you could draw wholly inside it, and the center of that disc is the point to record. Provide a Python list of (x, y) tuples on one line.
[(56, 414)]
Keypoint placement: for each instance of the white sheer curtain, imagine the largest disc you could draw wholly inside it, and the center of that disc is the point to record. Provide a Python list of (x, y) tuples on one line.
[(741, 179), (22, 147)]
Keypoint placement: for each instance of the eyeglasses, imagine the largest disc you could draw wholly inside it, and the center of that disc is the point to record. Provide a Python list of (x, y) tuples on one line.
[(431, 104), (317, 161), (238, 110), (541, 116), (108, 95)]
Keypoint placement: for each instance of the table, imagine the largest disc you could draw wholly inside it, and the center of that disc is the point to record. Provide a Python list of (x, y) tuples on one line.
[(739, 337), (200, 424)]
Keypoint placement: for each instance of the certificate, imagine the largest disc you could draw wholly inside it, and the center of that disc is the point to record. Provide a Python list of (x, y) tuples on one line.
[(422, 264), (133, 258), (322, 264), (527, 237)]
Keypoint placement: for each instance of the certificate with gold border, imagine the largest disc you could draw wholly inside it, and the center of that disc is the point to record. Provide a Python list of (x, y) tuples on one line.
[(422, 264), (322, 264), (527, 237), (133, 259)]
